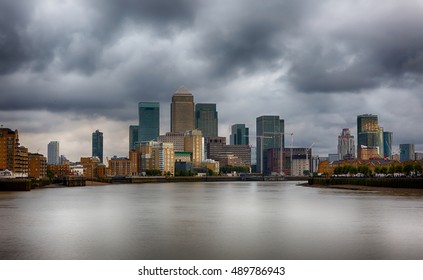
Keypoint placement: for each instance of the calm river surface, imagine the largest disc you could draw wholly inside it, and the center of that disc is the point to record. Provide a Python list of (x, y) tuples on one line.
[(236, 220)]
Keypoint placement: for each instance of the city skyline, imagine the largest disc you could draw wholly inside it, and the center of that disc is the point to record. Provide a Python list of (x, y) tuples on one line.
[(316, 65)]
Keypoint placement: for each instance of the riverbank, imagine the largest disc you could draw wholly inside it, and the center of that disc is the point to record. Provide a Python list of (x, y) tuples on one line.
[(389, 186)]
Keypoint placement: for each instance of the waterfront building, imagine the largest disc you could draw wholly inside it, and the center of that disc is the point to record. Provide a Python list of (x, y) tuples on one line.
[(239, 135), (58, 170), (149, 121), (194, 144), (182, 111), (158, 156), (387, 144), (206, 119), (119, 166), (270, 134), (9, 149), (295, 157), (346, 145), (90, 166), (97, 145), (133, 137), (21, 162), (37, 165), (177, 138), (53, 156), (406, 152)]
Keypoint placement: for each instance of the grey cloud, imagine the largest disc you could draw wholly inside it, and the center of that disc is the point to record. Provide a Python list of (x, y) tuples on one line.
[(374, 50)]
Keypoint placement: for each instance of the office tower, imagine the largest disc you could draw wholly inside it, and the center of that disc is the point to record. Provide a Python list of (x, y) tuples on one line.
[(133, 136), (206, 119), (177, 138), (97, 145), (194, 144), (235, 155), (149, 121), (270, 135), (406, 152), (9, 148), (387, 144), (182, 111), (239, 135), (368, 135), (53, 156), (346, 146)]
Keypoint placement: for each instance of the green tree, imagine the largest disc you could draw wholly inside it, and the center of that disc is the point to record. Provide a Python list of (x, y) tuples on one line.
[(418, 168), (353, 170), (384, 170), (398, 168), (408, 168)]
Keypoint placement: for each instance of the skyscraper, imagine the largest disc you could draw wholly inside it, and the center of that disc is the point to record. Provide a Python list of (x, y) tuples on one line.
[(133, 136), (97, 145), (346, 146), (387, 144), (270, 131), (206, 119), (406, 152), (149, 121), (182, 111), (53, 152), (239, 135), (368, 134)]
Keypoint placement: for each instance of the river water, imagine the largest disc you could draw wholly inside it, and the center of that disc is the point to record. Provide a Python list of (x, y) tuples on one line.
[(229, 220)]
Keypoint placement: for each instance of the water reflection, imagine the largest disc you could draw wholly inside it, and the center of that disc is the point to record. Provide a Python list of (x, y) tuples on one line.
[(257, 220)]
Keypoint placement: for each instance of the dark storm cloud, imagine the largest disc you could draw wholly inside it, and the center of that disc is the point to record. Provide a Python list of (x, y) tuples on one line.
[(376, 49), (248, 36), (13, 19)]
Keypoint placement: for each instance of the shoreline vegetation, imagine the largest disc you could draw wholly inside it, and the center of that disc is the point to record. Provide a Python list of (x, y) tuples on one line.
[(389, 186)]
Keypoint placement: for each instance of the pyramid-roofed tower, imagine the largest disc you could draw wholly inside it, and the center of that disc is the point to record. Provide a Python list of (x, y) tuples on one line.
[(182, 111)]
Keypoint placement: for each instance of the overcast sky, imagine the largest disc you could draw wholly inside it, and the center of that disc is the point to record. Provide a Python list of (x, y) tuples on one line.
[(68, 68)]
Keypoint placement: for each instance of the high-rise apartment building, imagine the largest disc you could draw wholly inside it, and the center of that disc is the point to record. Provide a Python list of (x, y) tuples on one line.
[(9, 149), (133, 136), (149, 121), (346, 145), (239, 135), (182, 111), (206, 119), (158, 156), (97, 145), (194, 144), (406, 152), (270, 134), (53, 156)]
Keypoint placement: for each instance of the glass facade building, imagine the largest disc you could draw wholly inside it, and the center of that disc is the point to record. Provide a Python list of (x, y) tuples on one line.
[(239, 135), (206, 119), (97, 145), (406, 152), (149, 121), (270, 135), (53, 152), (133, 136)]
